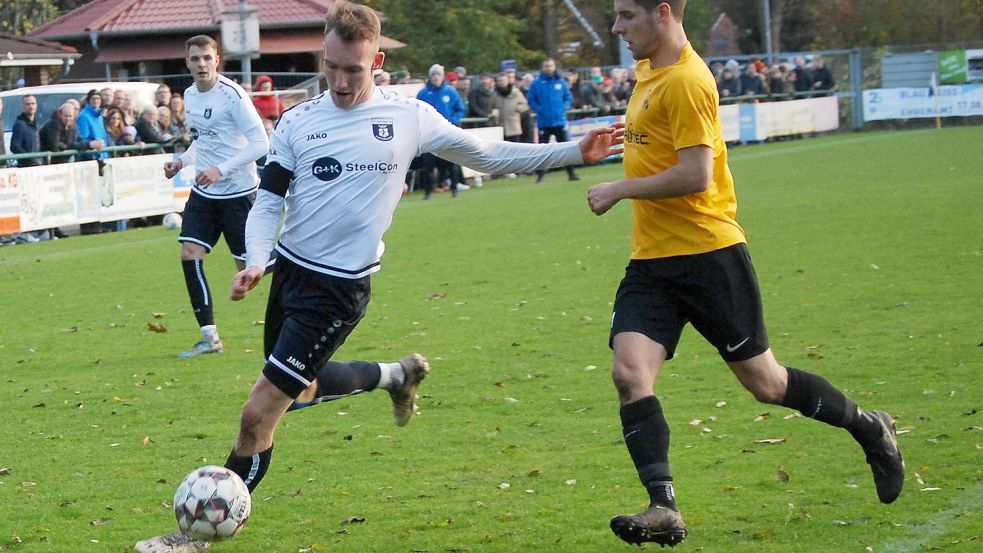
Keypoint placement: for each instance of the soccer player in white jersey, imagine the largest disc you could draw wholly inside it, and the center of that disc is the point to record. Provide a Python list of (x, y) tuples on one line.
[(342, 156), (227, 138)]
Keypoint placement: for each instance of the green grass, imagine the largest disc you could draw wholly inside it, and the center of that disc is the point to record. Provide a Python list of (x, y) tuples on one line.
[(868, 250)]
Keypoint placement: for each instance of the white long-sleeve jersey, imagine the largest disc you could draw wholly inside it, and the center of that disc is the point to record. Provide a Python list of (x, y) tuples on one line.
[(348, 168), (227, 133)]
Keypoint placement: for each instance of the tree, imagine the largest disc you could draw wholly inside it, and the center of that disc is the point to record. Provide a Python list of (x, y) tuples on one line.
[(19, 17), (478, 34)]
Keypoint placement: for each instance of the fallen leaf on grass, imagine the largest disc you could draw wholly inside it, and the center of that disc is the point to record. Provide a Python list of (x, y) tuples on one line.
[(5, 471), (158, 315), (353, 520), (147, 441), (771, 441), (156, 327), (436, 295), (782, 475), (70, 330), (443, 523), (99, 521), (259, 323)]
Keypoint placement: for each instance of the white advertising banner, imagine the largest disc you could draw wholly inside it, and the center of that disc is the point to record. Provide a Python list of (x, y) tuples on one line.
[(918, 103), (749, 122), (48, 196), (135, 187), (9, 202)]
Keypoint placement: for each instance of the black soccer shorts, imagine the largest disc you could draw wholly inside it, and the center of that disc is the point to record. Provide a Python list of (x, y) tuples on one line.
[(716, 291), (206, 219), (308, 317)]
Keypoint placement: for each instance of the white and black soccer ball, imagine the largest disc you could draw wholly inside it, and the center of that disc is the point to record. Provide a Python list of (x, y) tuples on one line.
[(212, 503), (172, 221)]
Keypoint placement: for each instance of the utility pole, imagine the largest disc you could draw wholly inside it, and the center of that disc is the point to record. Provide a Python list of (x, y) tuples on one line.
[(549, 28), (768, 46), (247, 62)]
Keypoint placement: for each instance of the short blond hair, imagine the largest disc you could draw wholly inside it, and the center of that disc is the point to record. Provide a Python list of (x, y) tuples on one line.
[(353, 22)]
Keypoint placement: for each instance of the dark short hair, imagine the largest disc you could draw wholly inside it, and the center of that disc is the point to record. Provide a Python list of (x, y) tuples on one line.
[(353, 22), (677, 6), (200, 41)]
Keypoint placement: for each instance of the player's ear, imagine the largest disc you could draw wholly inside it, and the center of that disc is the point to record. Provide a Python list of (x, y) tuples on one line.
[(377, 61)]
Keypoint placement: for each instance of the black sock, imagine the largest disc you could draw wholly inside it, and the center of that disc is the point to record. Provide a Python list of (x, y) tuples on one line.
[(251, 469), (647, 438), (201, 296), (338, 379), (816, 398)]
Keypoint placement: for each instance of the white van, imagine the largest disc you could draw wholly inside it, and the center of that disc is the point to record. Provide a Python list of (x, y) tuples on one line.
[(51, 97)]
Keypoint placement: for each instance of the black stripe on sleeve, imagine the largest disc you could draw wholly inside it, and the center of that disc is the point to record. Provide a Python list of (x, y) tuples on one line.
[(232, 87), (276, 179)]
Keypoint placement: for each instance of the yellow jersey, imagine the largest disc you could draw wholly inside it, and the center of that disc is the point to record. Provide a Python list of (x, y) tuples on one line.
[(672, 108)]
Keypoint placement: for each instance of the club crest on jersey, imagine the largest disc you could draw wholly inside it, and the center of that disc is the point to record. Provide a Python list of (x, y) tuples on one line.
[(208, 113), (382, 129)]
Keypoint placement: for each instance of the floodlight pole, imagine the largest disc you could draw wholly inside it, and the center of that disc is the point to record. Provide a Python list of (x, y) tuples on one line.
[(247, 62), (766, 11)]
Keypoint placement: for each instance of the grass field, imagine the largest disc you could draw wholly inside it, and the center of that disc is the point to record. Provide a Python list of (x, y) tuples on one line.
[(869, 250)]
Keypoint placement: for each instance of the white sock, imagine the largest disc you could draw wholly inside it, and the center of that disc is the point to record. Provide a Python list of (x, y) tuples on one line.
[(210, 333), (391, 376)]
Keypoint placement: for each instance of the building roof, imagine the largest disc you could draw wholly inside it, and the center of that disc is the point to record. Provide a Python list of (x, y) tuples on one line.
[(135, 17), (19, 51)]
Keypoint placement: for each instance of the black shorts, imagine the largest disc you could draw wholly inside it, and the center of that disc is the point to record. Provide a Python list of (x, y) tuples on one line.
[(205, 219), (308, 317), (716, 291)]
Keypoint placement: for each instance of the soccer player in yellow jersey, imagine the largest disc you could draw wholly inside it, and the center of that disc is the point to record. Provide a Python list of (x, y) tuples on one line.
[(690, 264)]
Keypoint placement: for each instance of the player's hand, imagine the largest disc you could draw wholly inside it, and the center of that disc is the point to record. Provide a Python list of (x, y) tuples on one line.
[(602, 197), (601, 143), (208, 177), (244, 281), (172, 168)]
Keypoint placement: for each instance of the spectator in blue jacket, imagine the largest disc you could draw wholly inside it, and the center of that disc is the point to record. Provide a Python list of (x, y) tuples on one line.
[(91, 125), (25, 138), (550, 97), (446, 100)]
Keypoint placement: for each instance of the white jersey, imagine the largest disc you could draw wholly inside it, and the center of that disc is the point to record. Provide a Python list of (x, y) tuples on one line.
[(227, 133), (348, 170)]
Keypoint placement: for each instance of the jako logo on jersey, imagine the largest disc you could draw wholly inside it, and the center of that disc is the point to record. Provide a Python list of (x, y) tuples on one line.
[(208, 113), (326, 169), (317, 136), (382, 129)]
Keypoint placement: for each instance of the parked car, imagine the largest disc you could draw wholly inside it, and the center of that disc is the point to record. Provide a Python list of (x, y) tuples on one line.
[(51, 97)]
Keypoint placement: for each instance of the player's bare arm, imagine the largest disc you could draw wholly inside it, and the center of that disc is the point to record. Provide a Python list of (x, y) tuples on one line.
[(601, 143), (691, 175)]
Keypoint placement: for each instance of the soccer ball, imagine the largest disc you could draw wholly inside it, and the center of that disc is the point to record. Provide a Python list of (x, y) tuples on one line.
[(212, 503), (172, 221)]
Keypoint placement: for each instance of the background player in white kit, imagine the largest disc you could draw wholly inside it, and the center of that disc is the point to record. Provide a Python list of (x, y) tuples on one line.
[(342, 156), (227, 138)]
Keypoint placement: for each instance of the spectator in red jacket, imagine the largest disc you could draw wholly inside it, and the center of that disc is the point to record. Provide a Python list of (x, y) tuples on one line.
[(267, 103)]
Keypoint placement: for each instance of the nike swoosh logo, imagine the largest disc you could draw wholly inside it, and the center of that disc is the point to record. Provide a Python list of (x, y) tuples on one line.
[(739, 344)]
